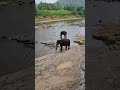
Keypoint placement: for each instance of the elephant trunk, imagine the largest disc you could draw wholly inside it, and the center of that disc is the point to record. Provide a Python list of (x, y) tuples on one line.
[(56, 47), (57, 43)]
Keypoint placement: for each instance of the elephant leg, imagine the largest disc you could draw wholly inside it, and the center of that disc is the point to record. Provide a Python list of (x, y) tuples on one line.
[(69, 45), (66, 48), (61, 48)]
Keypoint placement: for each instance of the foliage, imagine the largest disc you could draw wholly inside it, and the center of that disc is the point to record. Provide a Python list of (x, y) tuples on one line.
[(80, 11), (72, 2), (53, 12), (57, 9), (69, 8), (48, 6)]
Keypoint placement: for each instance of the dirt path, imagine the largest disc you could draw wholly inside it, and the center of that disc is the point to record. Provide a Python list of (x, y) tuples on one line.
[(61, 71)]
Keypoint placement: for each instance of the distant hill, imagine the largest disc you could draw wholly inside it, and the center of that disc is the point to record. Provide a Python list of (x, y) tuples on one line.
[(72, 2)]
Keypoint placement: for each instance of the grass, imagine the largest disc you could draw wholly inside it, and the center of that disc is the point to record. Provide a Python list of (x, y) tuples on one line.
[(47, 16), (48, 19), (53, 12)]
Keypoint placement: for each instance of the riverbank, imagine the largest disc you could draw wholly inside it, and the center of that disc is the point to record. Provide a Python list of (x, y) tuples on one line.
[(50, 19), (64, 71)]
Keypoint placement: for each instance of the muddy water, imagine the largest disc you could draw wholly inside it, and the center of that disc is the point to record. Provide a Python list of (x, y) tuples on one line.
[(51, 32)]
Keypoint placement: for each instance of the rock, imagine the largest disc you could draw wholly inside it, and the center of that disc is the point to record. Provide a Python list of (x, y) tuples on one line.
[(61, 71), (80, 40)]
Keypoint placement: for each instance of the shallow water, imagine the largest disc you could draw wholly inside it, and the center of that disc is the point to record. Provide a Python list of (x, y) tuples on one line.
[(51, 32)]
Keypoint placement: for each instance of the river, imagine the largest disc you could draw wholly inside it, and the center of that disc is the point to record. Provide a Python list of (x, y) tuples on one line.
[(51, 32)]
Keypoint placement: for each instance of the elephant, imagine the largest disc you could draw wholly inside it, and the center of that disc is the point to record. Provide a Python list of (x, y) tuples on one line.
[(63, 42), (63, 33)]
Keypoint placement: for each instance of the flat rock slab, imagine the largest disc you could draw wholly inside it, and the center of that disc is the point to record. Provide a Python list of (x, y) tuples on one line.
[(61, 71)]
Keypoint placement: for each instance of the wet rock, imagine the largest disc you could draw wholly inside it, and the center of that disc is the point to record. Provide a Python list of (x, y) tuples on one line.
[(62, 25), (50, 26), (80, 40)]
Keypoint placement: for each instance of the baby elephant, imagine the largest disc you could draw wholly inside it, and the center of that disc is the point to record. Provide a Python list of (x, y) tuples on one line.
[(63, 42)]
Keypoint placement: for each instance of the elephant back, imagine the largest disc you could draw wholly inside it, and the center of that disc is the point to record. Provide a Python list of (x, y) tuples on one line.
[(65, 42)]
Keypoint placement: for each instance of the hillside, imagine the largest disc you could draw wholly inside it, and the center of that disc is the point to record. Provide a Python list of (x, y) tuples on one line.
[(72, 2)]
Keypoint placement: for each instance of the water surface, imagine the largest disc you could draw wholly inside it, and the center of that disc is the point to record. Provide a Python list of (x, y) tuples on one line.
[(51, 32)]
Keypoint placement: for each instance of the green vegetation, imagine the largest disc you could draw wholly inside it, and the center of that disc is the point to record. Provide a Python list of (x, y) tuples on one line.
[(72, 2), (58, 9), (53, 12), (49, 12)]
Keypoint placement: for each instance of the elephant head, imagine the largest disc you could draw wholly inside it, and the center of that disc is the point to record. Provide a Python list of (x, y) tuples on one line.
[(63, 33)]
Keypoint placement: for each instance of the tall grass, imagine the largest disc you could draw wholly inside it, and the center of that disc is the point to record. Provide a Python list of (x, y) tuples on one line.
[(53, 12)]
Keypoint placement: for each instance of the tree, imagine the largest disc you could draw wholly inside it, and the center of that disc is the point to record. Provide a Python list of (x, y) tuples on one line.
[(69, 8), (80, 11), (48, 6)]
